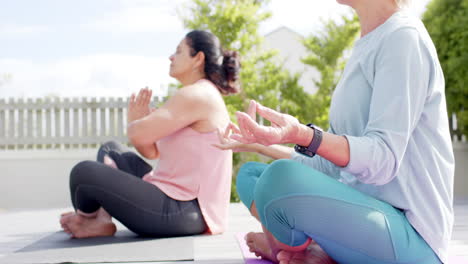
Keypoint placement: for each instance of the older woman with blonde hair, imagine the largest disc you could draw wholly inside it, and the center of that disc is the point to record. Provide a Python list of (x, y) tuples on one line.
[(377, 187)]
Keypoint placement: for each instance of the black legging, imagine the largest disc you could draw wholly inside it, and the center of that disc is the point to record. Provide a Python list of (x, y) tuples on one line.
[(140, 206)]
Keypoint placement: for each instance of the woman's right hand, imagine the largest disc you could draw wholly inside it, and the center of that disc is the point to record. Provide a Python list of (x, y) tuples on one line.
[(284, 128), (227, 143)]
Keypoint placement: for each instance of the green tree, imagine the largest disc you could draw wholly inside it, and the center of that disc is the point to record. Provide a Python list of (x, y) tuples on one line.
[(447, 23), (327, 49), (236, 24)]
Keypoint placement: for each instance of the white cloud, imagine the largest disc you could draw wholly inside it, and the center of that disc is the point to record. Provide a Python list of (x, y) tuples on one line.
[(150, 3), (119, 74), (12, 30), (139, 18), (418, 7), (94, 76), (305, 17), (301, 16)]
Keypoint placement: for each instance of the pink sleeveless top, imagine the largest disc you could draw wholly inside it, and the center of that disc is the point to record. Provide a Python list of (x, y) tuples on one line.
[(190, 167)]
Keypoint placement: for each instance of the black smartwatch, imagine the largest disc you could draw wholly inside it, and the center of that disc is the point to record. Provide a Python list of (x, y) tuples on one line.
[(314, 144)]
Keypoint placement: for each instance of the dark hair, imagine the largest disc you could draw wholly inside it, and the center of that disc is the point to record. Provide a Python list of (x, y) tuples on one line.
[(223, 73)]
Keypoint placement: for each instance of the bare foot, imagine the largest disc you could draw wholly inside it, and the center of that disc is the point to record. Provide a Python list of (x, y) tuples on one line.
[(64, 216), (110, 162), (314, 254), (66, 213), (79, 226), (258, 244)]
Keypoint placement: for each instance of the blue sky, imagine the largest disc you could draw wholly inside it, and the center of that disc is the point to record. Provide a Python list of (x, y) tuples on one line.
[(112, 47)]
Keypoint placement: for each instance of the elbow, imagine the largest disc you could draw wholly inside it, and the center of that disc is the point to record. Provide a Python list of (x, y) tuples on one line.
[(382, 161), (151, 156), (343, 161), (377, 180), (381, 175), (156, 156), (378, 170), (388, 169)]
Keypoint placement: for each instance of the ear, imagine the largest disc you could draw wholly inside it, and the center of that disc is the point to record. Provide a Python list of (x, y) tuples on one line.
[(199, 59)]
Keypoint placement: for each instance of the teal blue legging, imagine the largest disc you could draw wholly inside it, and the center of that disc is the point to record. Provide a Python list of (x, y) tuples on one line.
[(296, 202)]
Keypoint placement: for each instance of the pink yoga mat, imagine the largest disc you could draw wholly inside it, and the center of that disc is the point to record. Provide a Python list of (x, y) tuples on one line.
[(457, 260), (249, 257)]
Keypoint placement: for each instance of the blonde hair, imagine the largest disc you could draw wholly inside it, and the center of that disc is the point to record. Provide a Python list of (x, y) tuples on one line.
[(403, 3)]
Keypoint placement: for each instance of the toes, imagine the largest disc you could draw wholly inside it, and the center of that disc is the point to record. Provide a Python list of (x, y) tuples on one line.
[(63, 220), (284, 255), (252, 235), (66, 229), (251, 246), (66, 213), (110, 162), (65, 217)]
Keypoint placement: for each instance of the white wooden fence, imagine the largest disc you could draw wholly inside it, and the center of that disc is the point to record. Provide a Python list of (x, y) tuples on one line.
[(454, 126), (61, 123)]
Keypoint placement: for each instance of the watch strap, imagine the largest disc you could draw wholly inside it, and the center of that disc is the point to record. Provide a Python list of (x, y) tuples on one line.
[(311, 150), (316, 140)]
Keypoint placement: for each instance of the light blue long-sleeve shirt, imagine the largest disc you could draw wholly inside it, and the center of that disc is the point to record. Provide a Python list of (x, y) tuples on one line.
[(390, 105)]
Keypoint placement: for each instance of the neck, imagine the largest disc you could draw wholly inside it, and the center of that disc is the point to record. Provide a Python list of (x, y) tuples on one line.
[(374, 13), (191, 79)]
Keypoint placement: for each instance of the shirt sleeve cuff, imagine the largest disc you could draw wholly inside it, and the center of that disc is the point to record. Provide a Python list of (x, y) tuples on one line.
[(296, 156), (358, 158)]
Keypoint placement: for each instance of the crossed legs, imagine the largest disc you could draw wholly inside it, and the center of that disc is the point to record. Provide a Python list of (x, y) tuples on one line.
[(264, 244), (81, 225), (296, 203), (99, 191)]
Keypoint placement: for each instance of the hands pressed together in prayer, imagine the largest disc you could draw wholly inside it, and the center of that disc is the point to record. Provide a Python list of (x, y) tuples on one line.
[(139, 105)]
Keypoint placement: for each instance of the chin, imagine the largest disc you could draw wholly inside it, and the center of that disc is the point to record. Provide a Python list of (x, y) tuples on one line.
[(171, 73), (344, 2)]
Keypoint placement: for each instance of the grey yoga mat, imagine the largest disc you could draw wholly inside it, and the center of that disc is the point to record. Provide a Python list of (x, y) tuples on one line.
[(125, 246)]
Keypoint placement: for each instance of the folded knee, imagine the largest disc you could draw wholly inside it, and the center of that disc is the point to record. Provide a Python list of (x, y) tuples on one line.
[(81, 170), (282, 178), (246, 180), (105, 148), (248, 170), (278, 173), (111, 144)]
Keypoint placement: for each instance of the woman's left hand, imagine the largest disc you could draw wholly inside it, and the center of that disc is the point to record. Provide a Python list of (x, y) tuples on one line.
[(138, 106), (227, 143), (284, 128)]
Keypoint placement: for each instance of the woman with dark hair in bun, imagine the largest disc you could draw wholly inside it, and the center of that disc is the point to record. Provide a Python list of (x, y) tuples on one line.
[(188, 192)]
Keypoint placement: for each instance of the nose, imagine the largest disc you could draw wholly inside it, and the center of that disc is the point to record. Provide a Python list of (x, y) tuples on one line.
[(171, 58)]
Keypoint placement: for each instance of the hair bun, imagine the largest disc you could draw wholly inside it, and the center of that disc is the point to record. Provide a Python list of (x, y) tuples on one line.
[(231, 65)]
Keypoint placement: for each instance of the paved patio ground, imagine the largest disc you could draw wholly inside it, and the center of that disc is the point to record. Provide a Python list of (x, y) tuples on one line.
[(21, 228)]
